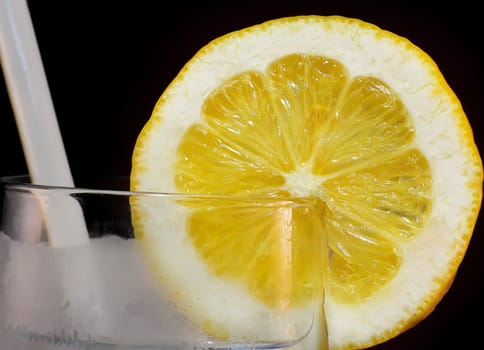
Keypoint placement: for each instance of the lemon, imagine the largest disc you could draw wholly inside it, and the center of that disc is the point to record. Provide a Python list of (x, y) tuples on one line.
[(330, 108)]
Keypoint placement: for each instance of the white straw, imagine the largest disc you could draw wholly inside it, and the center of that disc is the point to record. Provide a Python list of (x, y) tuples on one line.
[(37, 122)]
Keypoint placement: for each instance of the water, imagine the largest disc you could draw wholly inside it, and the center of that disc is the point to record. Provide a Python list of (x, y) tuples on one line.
[(87, 297)]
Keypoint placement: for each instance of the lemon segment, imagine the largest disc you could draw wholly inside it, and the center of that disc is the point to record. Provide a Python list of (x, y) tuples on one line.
[(207, 163), (282, 263)]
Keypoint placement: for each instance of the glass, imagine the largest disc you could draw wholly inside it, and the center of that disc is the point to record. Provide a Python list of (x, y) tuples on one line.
[(105, 294)]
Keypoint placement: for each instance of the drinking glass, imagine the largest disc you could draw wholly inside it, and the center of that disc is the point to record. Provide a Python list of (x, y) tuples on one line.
[(105, 293)]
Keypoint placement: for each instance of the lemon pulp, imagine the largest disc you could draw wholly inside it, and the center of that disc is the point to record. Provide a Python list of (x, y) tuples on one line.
[(305, 128)]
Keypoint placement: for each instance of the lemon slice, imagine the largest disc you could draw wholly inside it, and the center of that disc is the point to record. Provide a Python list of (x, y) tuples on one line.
[(331, 108)]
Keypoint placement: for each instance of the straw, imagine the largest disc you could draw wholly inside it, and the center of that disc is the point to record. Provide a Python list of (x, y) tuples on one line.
[(37, 123)]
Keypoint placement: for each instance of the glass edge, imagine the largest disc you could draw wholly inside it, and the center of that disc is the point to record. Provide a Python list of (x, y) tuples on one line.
[(23, 182)]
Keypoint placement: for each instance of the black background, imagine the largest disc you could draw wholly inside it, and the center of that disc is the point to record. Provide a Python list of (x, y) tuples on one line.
[(108, 62)]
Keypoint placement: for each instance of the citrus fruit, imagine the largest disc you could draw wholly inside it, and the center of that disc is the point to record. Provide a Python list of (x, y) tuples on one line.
[(331, 108)]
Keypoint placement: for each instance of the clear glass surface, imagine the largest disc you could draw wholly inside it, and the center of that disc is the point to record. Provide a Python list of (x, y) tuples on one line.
[(106, 293)]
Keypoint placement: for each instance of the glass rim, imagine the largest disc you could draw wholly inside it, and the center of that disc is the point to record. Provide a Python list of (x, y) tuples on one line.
[(23, 182)]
